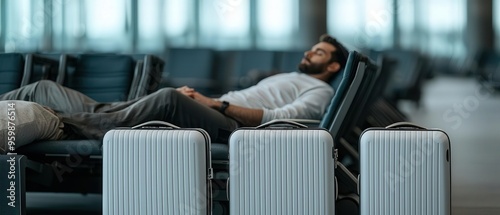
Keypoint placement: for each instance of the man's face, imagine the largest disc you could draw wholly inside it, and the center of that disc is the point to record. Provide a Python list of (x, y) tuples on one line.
[(317, 60)]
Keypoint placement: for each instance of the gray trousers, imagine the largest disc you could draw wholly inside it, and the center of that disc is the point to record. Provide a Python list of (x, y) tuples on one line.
[(85, 118)]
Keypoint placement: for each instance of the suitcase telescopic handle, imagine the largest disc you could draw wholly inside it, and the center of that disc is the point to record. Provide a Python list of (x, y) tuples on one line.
[(155, 123), (405, 125), (275, 122)]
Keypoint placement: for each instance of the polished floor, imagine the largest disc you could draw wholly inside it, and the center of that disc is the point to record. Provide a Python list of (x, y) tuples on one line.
[(460, 106), (470, 114)]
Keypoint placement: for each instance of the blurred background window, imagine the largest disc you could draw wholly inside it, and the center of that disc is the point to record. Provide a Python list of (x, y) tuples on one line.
[(277, 23), (224, 23), (105, 24), (435, 27)]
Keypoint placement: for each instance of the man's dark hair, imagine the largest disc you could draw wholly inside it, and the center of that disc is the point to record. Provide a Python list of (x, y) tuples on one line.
[(340, 54)]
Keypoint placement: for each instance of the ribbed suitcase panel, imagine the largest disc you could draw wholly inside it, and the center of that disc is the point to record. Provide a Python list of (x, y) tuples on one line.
[(404, 172), (281, 172), (154, 172)]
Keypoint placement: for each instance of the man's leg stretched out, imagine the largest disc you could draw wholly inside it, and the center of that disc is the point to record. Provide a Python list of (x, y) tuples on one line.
[(87, 118), (55, 96), (166, 104)]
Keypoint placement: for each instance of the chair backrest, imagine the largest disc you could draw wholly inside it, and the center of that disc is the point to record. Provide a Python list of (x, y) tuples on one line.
[(348, 85), (43, 67), (387, 66), (192, 67), (370, 92), (150, 69), (352, 104), (408, 74), (340, 84), (12, 71), (103, 77), (362, 98)]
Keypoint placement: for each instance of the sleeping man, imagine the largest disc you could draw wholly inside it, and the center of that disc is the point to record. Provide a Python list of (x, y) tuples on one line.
[(47, 111)]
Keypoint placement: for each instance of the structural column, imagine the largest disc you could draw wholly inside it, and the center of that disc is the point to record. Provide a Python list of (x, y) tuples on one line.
[(48, 36), (312, 21), (395, 25), (479, 33)]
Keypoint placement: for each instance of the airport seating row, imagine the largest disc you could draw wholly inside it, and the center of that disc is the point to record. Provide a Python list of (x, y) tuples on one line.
[(76, 165), (209, 71), (103, 77), (410, 71), (213, 72)]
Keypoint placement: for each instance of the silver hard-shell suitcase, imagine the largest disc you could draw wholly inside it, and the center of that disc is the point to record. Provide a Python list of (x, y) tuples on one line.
[(156, 168), (281, 170), (405, 169)]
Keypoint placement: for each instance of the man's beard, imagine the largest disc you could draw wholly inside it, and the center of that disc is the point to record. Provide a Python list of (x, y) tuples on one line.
[(312, 68)]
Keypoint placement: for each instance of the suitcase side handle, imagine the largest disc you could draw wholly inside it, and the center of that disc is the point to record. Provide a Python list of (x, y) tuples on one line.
[(155, 123), (287, 123), (405, 124)]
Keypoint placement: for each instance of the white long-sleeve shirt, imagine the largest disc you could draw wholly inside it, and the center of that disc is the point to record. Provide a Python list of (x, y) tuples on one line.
[(285, 96)]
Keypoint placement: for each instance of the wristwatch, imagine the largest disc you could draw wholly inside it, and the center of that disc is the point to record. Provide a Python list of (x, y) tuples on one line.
[(223, 107)]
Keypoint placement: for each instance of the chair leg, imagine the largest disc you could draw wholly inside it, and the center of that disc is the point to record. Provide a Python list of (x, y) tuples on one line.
[(13, 184)]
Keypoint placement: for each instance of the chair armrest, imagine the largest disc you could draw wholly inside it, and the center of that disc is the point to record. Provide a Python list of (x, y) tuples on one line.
[(151, 75), (307, 122)]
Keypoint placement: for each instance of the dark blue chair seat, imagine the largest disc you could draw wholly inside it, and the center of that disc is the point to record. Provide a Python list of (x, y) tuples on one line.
[(93, 148), (66, 147)]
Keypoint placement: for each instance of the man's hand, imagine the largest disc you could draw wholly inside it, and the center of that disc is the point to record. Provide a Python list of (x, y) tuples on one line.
[(187, 91), (205, 100)]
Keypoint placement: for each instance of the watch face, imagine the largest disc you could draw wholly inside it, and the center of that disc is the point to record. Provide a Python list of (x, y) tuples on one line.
[(224, 106)]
